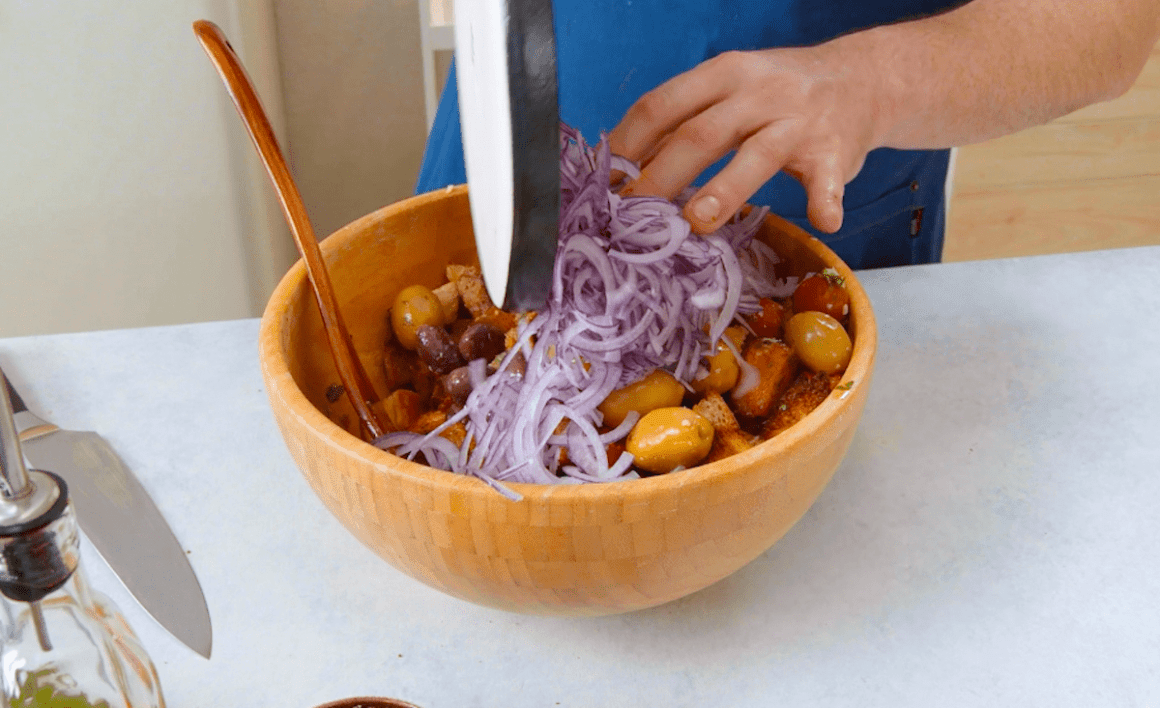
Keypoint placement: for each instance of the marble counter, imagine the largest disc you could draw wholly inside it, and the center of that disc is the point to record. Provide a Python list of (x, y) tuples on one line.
[(991, 539)]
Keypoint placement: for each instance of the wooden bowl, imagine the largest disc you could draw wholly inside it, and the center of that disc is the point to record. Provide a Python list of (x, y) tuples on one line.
[(570, 549)]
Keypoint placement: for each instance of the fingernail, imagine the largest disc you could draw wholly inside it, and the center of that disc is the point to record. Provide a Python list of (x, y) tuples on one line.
[(706, 209)]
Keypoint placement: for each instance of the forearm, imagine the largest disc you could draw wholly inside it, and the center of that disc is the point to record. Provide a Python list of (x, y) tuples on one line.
[(988, 68), (993, 67)]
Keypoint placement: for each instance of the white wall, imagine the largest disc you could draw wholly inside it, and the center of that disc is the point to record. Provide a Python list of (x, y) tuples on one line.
[(129, 192), (123, 196)]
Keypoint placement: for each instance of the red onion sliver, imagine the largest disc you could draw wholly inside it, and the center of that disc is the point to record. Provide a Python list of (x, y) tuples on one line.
[(633, 291)]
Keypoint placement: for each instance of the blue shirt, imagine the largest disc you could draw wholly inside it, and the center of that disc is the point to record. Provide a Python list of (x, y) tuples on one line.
[(610, 52)]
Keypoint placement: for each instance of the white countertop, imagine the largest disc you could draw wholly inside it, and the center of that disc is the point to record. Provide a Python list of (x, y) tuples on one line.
[(991, 539)]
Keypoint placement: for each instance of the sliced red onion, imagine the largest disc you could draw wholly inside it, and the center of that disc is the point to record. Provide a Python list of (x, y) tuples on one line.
[(633, 291), (749, 377)]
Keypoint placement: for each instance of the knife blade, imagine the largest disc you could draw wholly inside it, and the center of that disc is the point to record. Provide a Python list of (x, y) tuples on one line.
[(123, 523)]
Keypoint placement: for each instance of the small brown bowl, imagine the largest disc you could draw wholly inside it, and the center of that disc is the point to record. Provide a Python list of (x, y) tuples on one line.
[(367, 702), (588, 549)]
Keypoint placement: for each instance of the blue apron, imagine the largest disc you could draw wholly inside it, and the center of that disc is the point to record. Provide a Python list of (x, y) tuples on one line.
[(610, 52)]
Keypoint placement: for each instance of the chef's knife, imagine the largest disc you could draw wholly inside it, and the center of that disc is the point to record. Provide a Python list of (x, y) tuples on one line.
[(505, 61), (122, 522)]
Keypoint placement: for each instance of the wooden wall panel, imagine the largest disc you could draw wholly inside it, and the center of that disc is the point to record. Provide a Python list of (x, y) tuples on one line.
[(1061, 152), (1054, 218)]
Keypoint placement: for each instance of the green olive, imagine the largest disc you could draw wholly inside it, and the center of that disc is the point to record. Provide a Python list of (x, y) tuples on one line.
[(414, 307), (820, 341), (668, 438), (722, 374), (659, 389)]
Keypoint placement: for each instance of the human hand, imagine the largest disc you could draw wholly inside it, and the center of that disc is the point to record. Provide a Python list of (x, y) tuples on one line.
[(813, 112)]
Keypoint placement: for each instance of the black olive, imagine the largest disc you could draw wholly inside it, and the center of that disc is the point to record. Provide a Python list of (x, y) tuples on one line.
[(437, 350), (458, 385), (518, 366), (456, 328), (481, 341)]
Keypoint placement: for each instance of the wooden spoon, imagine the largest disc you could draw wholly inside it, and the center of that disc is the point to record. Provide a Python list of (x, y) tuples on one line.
[(350, 371)]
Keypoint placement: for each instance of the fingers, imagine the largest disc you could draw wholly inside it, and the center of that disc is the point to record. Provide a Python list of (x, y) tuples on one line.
[(761, 156), (825, 185), (660, 111), (777, 115), (695, 145), (757, 160)]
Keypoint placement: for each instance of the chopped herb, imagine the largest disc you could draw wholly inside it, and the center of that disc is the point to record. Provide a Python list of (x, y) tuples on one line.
[(834, 277), (846, 386)]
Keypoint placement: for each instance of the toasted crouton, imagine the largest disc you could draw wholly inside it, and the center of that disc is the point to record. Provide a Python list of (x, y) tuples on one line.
[(428, 422), (806, 393), (716, 411), (728, 438), (399, 366), (502, 320), (469, 283), (456, 432), (402, 408), (448, 294), (776, 365)]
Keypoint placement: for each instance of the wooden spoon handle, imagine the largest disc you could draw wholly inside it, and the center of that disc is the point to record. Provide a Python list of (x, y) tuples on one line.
[(350, 371)]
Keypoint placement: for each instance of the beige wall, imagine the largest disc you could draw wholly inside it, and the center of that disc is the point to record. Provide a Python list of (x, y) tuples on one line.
[(130, 194), (127, 189), (353, 95)]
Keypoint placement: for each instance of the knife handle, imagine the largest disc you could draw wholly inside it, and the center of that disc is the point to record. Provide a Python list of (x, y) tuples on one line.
[(17, 402)]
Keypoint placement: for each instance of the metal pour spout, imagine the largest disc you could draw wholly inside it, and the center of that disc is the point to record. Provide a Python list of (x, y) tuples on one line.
[(34, 558), (24, 496), (13, 474)]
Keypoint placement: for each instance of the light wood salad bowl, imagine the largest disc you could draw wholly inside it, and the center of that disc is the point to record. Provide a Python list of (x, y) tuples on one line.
[(571, 549)]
